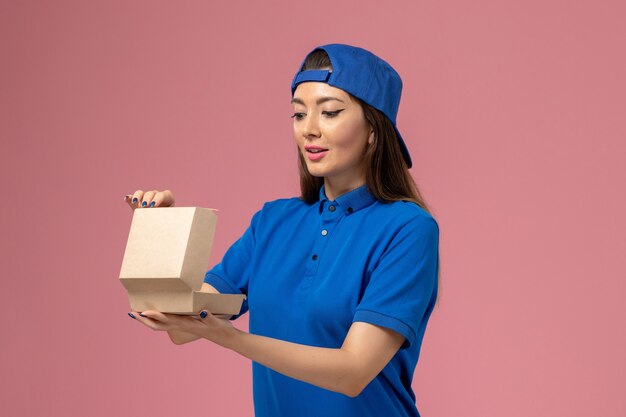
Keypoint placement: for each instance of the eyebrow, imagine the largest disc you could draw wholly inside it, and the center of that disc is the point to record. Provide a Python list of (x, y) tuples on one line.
[(319, 100)]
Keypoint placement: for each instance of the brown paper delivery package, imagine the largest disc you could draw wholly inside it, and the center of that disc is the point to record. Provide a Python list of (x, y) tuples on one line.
[(166, 257)]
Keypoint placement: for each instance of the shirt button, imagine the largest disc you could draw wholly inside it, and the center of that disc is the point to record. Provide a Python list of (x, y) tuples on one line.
[(324, 232), (331, 208), (314, 257), (350, 210)]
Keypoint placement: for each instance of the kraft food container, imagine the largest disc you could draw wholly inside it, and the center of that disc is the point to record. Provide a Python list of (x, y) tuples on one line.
[(166, 257)]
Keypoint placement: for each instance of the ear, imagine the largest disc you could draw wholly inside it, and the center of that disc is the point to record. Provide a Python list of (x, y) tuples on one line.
[(370, 139)]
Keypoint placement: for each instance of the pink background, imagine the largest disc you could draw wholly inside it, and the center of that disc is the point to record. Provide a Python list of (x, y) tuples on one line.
[(514, 113)]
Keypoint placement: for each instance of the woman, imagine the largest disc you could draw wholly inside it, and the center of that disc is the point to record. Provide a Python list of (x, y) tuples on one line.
[(342, 280)]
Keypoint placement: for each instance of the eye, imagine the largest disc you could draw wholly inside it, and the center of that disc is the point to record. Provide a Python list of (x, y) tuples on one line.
[(332, 113), (298, 116)]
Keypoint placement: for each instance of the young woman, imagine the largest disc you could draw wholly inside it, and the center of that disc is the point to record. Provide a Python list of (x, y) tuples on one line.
[(340, 281)]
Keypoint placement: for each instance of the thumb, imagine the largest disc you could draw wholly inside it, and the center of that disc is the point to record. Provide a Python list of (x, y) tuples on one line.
[(204, 314)]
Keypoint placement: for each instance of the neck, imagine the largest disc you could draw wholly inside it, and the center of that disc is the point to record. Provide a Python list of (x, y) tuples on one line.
[(334, 187)]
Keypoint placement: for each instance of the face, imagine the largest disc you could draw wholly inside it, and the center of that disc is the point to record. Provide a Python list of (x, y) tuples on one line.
[(326, 118)]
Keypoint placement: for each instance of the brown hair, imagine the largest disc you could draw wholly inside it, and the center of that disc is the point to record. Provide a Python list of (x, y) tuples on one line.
[(386, 172)]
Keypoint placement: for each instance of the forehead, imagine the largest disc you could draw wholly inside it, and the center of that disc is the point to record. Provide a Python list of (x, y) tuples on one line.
[(309, 91)]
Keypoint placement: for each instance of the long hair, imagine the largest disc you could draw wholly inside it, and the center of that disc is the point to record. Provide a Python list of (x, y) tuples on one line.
[(386, 172)]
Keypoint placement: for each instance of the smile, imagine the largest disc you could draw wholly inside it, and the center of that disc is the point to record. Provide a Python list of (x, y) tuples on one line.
[(316, 154)]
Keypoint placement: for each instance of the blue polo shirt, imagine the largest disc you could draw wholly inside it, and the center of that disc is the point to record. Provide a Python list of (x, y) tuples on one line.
[(311, 270)]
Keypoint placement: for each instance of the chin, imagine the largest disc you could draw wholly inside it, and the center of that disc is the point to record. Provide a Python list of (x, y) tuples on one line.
[(316, 171), (317, 174)]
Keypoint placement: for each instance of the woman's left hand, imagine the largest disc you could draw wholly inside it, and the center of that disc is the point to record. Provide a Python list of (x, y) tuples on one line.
[(210, 327)]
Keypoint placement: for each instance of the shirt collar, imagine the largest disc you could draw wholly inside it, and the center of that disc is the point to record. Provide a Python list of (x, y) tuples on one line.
[(349, 202)]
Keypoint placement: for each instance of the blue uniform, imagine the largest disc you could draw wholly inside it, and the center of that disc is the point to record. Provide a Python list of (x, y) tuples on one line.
[(310, 270)]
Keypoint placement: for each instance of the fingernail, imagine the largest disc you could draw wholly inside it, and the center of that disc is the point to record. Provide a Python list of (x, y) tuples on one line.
[(141, 314), (152, 204), (134, 200), (132, 315), (203, 314), (143, 204)]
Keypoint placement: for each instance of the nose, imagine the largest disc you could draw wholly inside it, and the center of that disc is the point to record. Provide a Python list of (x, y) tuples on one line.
[(310, 126)]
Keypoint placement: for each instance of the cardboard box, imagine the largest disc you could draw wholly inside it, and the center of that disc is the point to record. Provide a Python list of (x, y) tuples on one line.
[(166, 257)]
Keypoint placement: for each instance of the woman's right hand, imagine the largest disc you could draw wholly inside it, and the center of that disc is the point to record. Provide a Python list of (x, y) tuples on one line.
[(147, 199)]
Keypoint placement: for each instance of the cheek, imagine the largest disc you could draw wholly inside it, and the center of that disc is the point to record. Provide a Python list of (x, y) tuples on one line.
[(297, 136), (350, 136)]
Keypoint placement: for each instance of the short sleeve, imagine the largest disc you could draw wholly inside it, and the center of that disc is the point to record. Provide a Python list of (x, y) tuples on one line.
[(402, 287), (230, 276)]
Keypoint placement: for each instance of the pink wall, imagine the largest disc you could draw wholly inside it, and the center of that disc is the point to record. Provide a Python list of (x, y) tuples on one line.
[(514, 115)]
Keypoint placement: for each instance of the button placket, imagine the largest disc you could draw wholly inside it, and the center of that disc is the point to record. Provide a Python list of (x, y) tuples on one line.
[(328, 222)]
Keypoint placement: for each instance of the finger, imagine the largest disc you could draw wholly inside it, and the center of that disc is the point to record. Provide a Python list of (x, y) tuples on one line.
[(171, 321), (136, 199), (207, 316), (163, 199), (157, 200), (128, 199), (168, 199), (217, 316), (199, 316), (147, 198), (153, 324), (156, 315)]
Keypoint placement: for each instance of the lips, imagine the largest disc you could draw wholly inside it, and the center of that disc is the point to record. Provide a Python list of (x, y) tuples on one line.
[(315, 149), (316, 154)]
